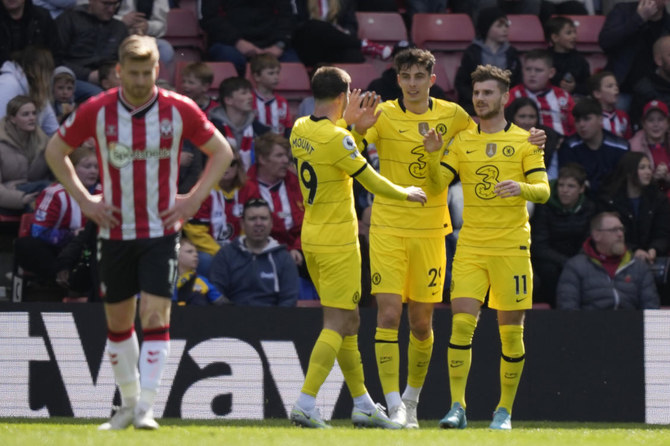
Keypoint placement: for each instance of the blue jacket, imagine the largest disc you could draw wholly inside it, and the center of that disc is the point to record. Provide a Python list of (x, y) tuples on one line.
[(266, 279)]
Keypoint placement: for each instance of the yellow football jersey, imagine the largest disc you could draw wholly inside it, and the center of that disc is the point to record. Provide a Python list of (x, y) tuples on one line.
[(398, 138), (326, 158), (491, 223)]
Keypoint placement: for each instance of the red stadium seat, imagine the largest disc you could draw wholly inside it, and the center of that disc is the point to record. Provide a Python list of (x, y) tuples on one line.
[(597, 61), (222, 70), (361, 74), (442, 78), (184, 33), (381, 27), (588, 29), (442, 32), (525, 32)]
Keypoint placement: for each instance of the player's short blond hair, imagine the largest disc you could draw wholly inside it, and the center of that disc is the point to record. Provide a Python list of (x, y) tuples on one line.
[(139, 48), (492, 73)]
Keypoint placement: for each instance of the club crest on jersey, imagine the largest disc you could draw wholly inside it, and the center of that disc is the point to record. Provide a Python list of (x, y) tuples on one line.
[(376, 278), (119, 155), (423, 128), (166, 128), (441, 129), (491, 149), (110, 130), (508, 151)]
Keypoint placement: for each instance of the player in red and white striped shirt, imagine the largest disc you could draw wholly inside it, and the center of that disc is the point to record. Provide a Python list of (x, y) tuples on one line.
[(138, 130), (555, 104)]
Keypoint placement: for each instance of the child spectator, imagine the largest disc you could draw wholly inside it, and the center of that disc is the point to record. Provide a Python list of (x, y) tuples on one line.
[(654, 141), (604, 88), (490, 47), (572, 69), (63, 91), (271, 109), (196, 80), (555, 104), (235, 118), (192, 288), (109, 78)]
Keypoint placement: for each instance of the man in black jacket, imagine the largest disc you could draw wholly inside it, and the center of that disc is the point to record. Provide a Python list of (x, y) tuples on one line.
[(90, 36), (23, 24)]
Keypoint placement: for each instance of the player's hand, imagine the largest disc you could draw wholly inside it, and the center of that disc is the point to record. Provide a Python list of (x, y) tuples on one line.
[(183, 209), (432, 141), (415, 194), (186, 159), (297, 257), (103, 214), (362, 110), (507, 188), (538, 137)]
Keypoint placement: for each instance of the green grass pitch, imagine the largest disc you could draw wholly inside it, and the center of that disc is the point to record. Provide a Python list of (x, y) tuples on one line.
[(77, 432)]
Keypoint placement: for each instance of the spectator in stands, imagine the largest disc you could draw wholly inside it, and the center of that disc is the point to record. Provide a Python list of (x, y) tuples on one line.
[(23, 169), (255, 269), (387, 85), (109, 77), (197, 78), (22, 24), (327, 32), (572, 68), (56, 7), (272, 180), (63, 91), (148, 17), (271, 109), (604, 88), (654, 85), (558, 229), (235, 118), (29, 73), (627, 37), (555, 104), (90, 35), (217, 222), (239, 30), (78, 268), (642, 207), (524, 113), (57, 220), (596, 149), (491, 46), (654, 141), (193, 288), (605, 275)]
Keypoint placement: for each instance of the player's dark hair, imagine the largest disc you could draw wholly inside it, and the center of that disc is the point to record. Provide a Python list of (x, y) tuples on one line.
[(540, 54), (230, 85), (406, 59), (492, 73), (587, 106), (595, 82), (575, 171), (329, 83), (255, 203), (554, 26)]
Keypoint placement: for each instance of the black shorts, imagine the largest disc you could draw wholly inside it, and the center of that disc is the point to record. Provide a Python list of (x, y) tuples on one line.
[(127, 267)]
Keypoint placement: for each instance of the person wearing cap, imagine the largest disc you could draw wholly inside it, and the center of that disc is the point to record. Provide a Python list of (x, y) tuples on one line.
[(596, 149), (387, 86), (655, 85), (653, 140), (491, 46), (62, 84)]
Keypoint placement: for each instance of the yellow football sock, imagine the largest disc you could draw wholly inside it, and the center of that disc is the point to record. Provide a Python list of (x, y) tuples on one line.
[(349, 358), (321, 360), (459, 355), (511, 363), (418, 359), (388, 359)]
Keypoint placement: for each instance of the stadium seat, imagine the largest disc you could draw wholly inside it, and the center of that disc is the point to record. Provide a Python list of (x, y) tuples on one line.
[(294, 81), (442, 32), (525, 32), (386, 28), (443, 80), (588, 29), (361, 74), (446, 65), (185, 35), (597, 61), (19, 276), (222, 70)]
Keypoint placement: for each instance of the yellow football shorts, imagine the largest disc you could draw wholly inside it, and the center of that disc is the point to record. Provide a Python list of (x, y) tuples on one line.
[(337, 277), (410, 266), (509, 277)]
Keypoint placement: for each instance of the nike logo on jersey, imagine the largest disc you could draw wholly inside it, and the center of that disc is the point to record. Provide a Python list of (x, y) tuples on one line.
[(469, 151), (521, 299), (384, 359), (402, 130)]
